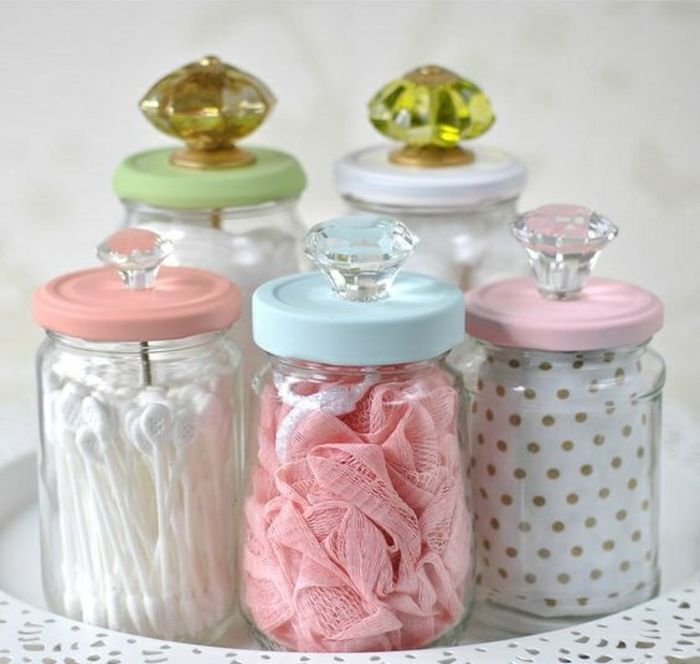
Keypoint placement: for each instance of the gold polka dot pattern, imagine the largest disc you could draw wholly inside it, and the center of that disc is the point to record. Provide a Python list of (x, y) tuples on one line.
[(564, 467)]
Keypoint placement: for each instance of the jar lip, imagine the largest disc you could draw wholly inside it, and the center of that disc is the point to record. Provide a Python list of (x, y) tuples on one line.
[(339, 368), (135, 347), (428, 210), (205, 212), (631, 348), (524, 361)]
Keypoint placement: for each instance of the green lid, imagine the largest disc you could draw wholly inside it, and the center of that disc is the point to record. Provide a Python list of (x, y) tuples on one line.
[(150, 177)]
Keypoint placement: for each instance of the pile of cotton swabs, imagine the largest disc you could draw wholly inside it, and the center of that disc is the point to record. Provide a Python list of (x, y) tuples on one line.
[(145, 498)]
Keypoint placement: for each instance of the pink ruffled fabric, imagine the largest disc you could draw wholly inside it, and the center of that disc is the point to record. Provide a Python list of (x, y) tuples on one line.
[(360, 540)]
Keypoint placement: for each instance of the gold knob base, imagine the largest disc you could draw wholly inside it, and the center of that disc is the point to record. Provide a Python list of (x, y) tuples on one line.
[(229, 157), (431, 156)]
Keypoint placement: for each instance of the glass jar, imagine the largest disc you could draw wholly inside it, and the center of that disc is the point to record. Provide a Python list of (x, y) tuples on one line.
[(225, 209), (565, 433), (140, 444), (357, 515), (459, 201), (137, 483), (467, 246), (565, 471), (238, 242), (379, 462), (247, 244)]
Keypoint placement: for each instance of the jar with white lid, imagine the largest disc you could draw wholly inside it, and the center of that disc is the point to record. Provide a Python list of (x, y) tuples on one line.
[(564, 426), (140, 392), (226, 209), (458, 200), (357, 516)]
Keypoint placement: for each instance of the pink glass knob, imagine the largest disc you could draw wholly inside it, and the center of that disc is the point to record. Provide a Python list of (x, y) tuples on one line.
[(136, 254), (563, 243)]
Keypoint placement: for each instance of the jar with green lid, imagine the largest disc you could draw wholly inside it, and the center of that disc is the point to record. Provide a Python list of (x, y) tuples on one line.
[(458, 200), (226, 209)]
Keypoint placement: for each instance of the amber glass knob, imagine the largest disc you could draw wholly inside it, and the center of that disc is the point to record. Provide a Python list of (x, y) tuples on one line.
[(431, 110), (210, 105)]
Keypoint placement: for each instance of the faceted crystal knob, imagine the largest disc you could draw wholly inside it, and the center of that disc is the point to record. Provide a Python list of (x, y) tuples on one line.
[(208, 104), (136, 254), (360, 255), (431, 110), (563, 243)]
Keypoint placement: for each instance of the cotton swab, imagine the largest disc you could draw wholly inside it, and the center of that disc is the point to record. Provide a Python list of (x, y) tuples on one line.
[(213, 499), (101, 450), (184, 434), (93, 600), (68, 553), (113, 517), (87, 563), (70, 404), (70, 563), (115, 569), (155, 423), (158, 601)]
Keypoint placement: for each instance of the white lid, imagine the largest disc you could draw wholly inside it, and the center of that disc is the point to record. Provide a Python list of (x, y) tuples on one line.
[(369, 176)]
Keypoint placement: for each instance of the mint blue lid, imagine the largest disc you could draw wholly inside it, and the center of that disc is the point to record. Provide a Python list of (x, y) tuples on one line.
[(357, 311)]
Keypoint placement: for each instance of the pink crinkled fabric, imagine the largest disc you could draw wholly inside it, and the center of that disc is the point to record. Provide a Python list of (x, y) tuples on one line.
[(359, 539)]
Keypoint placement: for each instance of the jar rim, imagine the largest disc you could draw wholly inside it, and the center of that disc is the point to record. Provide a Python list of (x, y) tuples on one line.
[(128, 348)]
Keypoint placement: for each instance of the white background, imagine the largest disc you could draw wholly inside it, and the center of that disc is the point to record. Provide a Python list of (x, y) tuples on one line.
[(601, 100)]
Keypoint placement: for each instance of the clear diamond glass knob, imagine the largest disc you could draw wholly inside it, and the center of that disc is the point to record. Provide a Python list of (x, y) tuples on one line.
[(361, 254), (136, 254), (563, 243)]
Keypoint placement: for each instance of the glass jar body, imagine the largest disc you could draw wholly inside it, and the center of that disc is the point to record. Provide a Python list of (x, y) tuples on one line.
[(467, 246), (138, 482), (248, 244), (357, 510), (565, 473)]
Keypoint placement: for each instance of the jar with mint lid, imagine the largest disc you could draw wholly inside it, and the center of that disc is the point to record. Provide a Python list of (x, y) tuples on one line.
[(357, 515)]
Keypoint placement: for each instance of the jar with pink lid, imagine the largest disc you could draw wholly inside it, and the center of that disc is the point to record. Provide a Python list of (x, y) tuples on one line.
[(139, 403), (564, 424), (357, 518)]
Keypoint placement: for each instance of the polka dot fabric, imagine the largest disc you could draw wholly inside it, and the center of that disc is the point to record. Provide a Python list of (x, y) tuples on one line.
[(564, 448)]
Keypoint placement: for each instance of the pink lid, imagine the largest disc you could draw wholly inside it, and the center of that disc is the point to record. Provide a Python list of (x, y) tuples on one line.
[(607, 314), (126, 302), (557, 310)]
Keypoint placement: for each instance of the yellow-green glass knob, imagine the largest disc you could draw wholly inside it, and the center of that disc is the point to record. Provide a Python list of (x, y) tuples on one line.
[(208, 104), (431, 110)]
